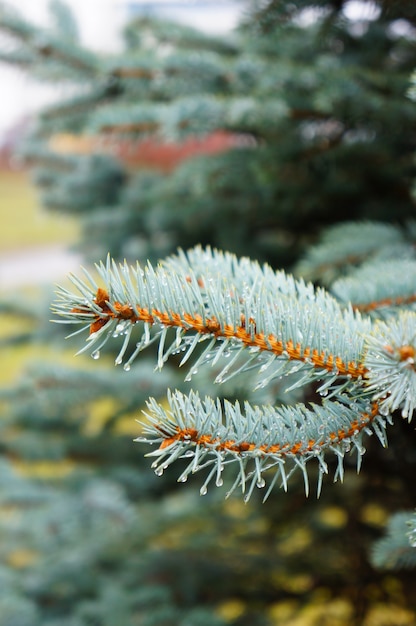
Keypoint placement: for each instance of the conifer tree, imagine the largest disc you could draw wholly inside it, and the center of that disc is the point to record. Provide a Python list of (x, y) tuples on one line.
[(317, 186)]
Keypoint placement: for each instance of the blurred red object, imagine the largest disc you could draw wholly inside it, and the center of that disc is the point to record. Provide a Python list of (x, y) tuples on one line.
[(150, 152), (166, 156)]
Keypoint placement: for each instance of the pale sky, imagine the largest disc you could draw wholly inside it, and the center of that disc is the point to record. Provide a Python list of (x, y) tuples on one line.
[(21, 96), (100, 23)]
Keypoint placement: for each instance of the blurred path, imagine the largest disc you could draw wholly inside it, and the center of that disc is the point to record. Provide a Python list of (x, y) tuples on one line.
[(35, 266), (34, 244)]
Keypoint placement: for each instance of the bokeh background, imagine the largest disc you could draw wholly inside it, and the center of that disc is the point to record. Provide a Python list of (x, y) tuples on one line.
[(89, 535)]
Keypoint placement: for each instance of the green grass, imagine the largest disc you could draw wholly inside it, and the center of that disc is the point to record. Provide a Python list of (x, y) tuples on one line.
[(24, 223)]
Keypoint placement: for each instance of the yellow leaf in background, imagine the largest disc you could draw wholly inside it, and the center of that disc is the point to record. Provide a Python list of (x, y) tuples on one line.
[(333, 517), (282, 612), (295, 583), (236, 508), (14, 359), (65, 143), (374, 515), (231, 609), (14, 324), (44, 469), (103, 410), (24, 224), (21, 558), (100, 411), (127, 425), (335, 612), (296, 541), (389, 615)]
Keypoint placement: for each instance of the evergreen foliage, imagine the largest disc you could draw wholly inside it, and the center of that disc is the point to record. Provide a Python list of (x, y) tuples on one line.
[(333, 111), (396, 550), (285, 380), (260, 320)]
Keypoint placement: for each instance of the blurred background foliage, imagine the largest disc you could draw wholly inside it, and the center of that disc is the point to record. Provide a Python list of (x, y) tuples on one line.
[(252, 143)]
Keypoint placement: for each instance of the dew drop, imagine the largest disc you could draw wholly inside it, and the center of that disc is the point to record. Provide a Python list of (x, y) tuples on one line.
[(384, 410), (261, 483), (219, 482), (203, 491), (159, 471), (96, 355), (118, 360), (127, 367), (182, 479)]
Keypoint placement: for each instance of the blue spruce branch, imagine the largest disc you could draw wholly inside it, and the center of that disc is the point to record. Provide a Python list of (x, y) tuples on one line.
[(237, 316), (397, 549)]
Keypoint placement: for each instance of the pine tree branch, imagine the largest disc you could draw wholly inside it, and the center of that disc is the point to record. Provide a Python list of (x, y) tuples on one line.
[(379, 286), (386, 303), (259, 319), (397, 549), (255, 440), (391, 358), (45, 46), (267, 313), (348, 244), (76, 105), (158, 31)]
